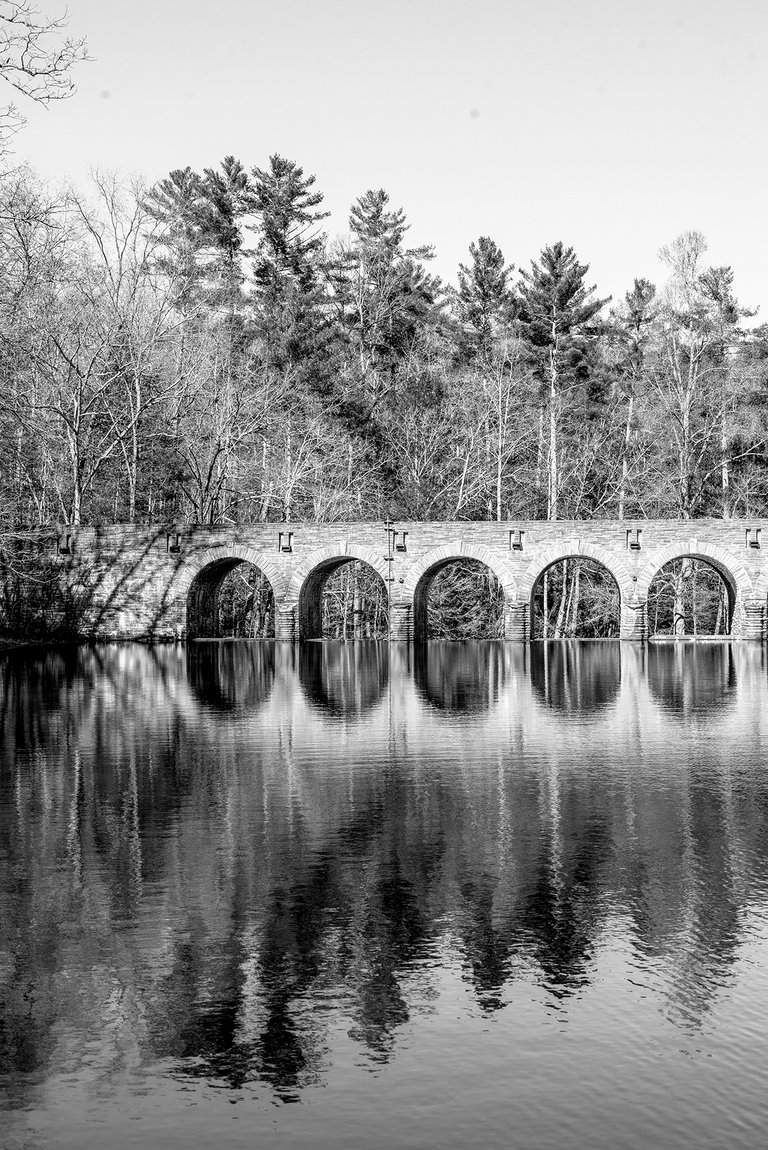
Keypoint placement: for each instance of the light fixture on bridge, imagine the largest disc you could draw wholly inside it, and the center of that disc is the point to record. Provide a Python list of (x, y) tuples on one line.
[(173, 542), (398, 539), (64, 545), (634, 539), (285, 541), (753, 537), (516, 539)]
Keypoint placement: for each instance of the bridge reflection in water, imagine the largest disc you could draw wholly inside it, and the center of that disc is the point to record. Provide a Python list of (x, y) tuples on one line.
[(252, 845)]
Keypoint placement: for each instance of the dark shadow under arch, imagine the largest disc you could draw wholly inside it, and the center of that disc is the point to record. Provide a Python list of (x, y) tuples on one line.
[(577, 597), (470, 605), (216, 608), (361, 611)]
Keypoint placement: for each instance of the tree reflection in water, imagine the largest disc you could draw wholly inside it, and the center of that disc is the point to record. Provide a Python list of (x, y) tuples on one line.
[(222, 893), (344, 678), (688, 678), (461, 677), (576, 677), (231, 675)]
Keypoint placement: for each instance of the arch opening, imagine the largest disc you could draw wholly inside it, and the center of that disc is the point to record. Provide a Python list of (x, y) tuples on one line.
[(575, 598), (459, 598), (230, 599), (692, 598), (343, 598)]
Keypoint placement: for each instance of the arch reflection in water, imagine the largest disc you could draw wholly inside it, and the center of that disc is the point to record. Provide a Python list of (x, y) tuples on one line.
[(576, 677), (462, 676), (231, 675), (692, 678), (344, 678), (285, 890)]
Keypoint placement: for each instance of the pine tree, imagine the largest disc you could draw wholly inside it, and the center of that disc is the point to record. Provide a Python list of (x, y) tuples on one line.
[(292, 316), (556, 310), (388, 296), (726, 315), (178, 204), (202, 220), (227, 200), (632, 327), (485, 301)]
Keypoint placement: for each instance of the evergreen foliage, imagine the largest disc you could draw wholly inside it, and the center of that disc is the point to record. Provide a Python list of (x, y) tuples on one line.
[(291, 316), (558, 316), (485, 301)]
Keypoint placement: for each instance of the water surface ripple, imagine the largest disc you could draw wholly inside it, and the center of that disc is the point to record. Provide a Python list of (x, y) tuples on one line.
[(346, 895)]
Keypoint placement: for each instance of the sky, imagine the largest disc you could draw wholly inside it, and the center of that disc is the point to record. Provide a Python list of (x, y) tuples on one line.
[(609, 125)]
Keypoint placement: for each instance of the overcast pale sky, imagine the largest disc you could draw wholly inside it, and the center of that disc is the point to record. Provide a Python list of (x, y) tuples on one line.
[(609, 125)]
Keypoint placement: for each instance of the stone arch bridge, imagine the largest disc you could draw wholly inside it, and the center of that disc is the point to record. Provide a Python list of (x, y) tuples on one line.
[(162, 582)]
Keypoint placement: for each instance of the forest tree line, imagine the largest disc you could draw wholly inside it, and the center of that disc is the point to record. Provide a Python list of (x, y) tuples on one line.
[(201, 350)]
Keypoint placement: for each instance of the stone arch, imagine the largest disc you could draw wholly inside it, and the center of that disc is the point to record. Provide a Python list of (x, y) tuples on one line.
[(303, 597), (578, 549), (581, 549), (415, 586), (202, 574), (731, 570)]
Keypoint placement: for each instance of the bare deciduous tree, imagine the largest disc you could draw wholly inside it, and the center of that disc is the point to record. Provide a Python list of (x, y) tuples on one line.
[(36, 58)]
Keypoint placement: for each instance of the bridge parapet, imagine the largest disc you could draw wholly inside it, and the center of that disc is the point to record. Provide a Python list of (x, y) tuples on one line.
[(135, 582)]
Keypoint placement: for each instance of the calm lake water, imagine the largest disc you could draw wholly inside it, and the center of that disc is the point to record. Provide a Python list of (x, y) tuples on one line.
[(346, 896)]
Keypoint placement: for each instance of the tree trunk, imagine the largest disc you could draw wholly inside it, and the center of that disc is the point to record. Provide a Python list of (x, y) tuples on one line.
[(546, 605), (725, 475), (685, 478), (357, 606), (540, 451), (19, 469), (77, 501), (345, 607), (624, 461), (563, 601), (573, 613), (288, 481), (678, 619), (553, 482)]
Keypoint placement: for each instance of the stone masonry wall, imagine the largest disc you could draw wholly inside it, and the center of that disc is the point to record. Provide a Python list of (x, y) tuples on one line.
[(133, 582)]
